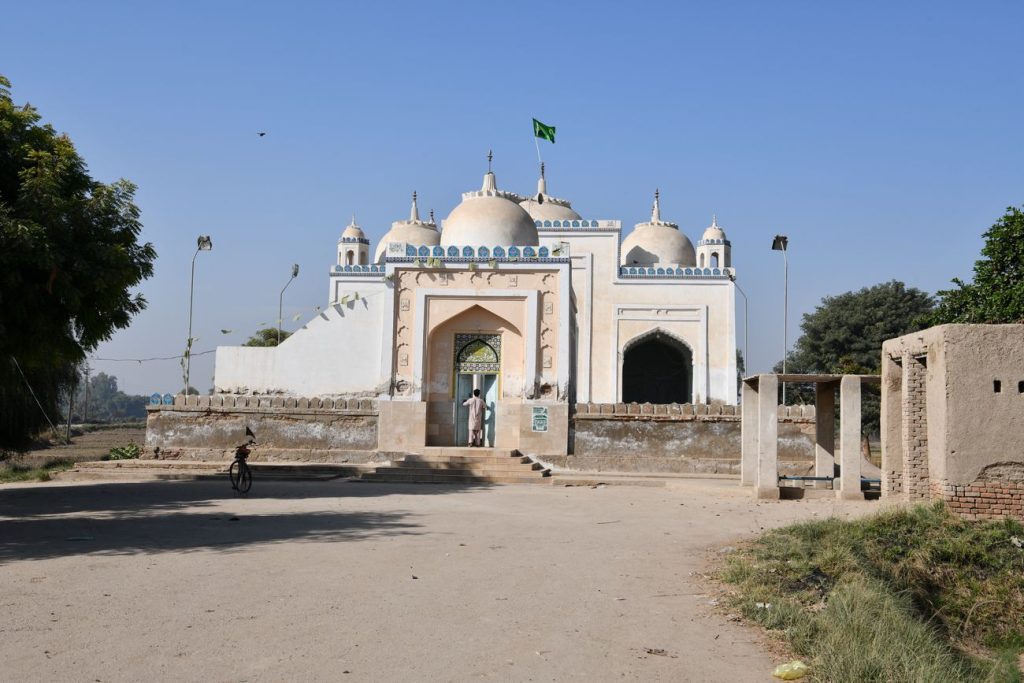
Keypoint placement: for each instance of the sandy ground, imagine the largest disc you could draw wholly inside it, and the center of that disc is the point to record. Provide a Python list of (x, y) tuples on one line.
[(378, 582)]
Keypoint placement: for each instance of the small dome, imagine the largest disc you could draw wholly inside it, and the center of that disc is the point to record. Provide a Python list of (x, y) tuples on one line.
[(489, 218), (713, 232), (657, 242), (543, 207), (353, 231), (412, 231)]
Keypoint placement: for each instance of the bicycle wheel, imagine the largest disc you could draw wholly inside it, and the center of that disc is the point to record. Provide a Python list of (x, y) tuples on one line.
[(244, 478), (234, 472)]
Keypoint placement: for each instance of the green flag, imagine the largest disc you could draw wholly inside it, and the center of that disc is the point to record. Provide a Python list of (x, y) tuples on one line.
[(542, 131)]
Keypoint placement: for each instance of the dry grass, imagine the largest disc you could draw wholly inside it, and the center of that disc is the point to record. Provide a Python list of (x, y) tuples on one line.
[(906, 595)]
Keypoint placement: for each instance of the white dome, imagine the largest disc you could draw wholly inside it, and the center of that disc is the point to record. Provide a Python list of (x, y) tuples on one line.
[(489, 218), (549, 210), (412, 231), (657, 242), (651, 244), (353, 232), (713, 232), (543, 207)]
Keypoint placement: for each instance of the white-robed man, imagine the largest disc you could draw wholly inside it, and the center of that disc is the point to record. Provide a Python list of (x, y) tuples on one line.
[(476, 407)]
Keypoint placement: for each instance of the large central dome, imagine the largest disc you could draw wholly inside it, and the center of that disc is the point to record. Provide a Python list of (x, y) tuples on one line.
[(489, 218)]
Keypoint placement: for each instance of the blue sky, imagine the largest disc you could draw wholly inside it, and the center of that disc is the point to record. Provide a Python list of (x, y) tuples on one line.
[(882, 137)]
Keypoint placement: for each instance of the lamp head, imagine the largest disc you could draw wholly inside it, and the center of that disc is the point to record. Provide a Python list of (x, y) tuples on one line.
[(780, 243), (204, 243), (295, 270)]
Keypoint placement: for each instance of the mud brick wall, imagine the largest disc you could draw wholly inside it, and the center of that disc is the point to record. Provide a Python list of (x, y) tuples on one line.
[(996, 494), (287, 429), (915, 429), (678, 438)]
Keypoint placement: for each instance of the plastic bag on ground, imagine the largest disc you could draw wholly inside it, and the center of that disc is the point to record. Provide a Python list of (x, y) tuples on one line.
[(790, 671)]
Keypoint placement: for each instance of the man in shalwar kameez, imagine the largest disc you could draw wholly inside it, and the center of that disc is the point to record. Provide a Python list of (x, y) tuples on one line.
[(476, 407)]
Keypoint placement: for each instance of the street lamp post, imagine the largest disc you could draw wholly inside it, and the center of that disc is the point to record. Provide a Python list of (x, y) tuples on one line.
[(280, 300), (781, 243), (746, 310), (203, 243)]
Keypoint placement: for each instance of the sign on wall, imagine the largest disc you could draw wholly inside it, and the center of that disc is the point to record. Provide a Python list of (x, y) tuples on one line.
[(540, 419)]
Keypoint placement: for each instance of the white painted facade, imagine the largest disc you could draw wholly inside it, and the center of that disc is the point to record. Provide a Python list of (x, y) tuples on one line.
[(607, 296)]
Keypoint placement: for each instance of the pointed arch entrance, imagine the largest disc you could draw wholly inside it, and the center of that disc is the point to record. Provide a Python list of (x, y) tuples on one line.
[(657, 368)]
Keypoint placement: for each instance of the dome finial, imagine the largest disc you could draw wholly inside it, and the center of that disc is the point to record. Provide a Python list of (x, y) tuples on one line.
[(714, 220), (490, 185), (353, 220), (432, 217), (542, 185), (656, 211), (414, 212)]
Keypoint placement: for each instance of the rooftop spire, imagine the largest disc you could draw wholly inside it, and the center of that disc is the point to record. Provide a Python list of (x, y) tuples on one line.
[(353, 223), (714, 220), (656, 211), (414, 212), (490, 185), (542, 184), (432, 216)]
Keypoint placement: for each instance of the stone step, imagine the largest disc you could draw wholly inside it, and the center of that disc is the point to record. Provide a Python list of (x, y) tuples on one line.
[(460, 471), (484, 459), (469, 451), (475, 466), (402, 477)]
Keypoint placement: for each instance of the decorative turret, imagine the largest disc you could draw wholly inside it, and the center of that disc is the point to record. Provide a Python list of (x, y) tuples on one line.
[(411, 231), (353, 247), (714, 250), (657, 242), (543, 207)]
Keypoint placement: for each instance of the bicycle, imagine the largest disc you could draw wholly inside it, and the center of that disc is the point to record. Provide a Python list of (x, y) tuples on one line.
[(239, 472)]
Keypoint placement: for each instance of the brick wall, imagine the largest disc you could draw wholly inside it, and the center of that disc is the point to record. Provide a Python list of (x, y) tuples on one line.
[(984, 499), (914, 479)]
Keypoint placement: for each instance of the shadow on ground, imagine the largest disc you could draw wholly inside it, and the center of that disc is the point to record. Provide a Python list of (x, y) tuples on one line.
[(38, 522)]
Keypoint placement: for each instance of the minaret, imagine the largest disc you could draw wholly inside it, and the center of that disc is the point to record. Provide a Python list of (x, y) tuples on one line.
[(353, 247), (714, 250)]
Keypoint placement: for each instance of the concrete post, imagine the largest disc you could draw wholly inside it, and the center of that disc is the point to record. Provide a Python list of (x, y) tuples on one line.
[(824, 431), (849, 438), (767, 485), (748, 439)]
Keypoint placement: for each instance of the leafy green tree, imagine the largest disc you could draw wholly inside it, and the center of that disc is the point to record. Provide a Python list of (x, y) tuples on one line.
[(844, 335), (104, 402), (997, 293), (69, 259), (266, 337)]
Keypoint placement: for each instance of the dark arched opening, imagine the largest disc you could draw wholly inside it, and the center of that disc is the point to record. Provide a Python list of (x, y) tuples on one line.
[(657, 370)]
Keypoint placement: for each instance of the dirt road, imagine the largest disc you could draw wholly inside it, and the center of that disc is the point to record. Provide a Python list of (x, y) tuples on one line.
[(374, 582)]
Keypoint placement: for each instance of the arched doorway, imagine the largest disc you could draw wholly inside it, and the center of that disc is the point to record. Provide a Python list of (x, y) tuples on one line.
[(657, 369), (477, 366)]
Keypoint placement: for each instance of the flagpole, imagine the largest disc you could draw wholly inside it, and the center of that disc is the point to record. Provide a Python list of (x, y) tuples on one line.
[(537, 145)]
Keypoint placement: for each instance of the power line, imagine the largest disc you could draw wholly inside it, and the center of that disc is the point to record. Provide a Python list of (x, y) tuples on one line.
[(146, 360)]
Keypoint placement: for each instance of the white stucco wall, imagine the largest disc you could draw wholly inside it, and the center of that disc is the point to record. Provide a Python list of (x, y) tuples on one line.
[(338, 352), (699, 311)]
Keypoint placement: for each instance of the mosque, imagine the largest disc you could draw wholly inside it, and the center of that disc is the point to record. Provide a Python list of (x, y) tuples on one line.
[(520, 297)]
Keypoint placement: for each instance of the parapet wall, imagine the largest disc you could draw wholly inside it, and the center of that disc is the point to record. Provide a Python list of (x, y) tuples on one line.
[(297, 429), (678, 438)]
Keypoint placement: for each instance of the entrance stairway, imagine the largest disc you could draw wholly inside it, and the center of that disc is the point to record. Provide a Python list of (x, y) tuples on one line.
[(451, 465)]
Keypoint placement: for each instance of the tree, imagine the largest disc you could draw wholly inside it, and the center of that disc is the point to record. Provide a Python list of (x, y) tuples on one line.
[(69, 259), (105, 402), (997, 293), (266, 337), (844, 335)]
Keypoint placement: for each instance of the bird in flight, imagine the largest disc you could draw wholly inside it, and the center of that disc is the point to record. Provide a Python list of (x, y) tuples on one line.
[(261, 133)]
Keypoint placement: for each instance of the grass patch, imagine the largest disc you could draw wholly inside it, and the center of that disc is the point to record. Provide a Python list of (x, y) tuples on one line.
[(905, 595), (14, 472)]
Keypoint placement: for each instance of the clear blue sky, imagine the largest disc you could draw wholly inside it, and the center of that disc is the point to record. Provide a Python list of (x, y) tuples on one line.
[(882, 137)]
